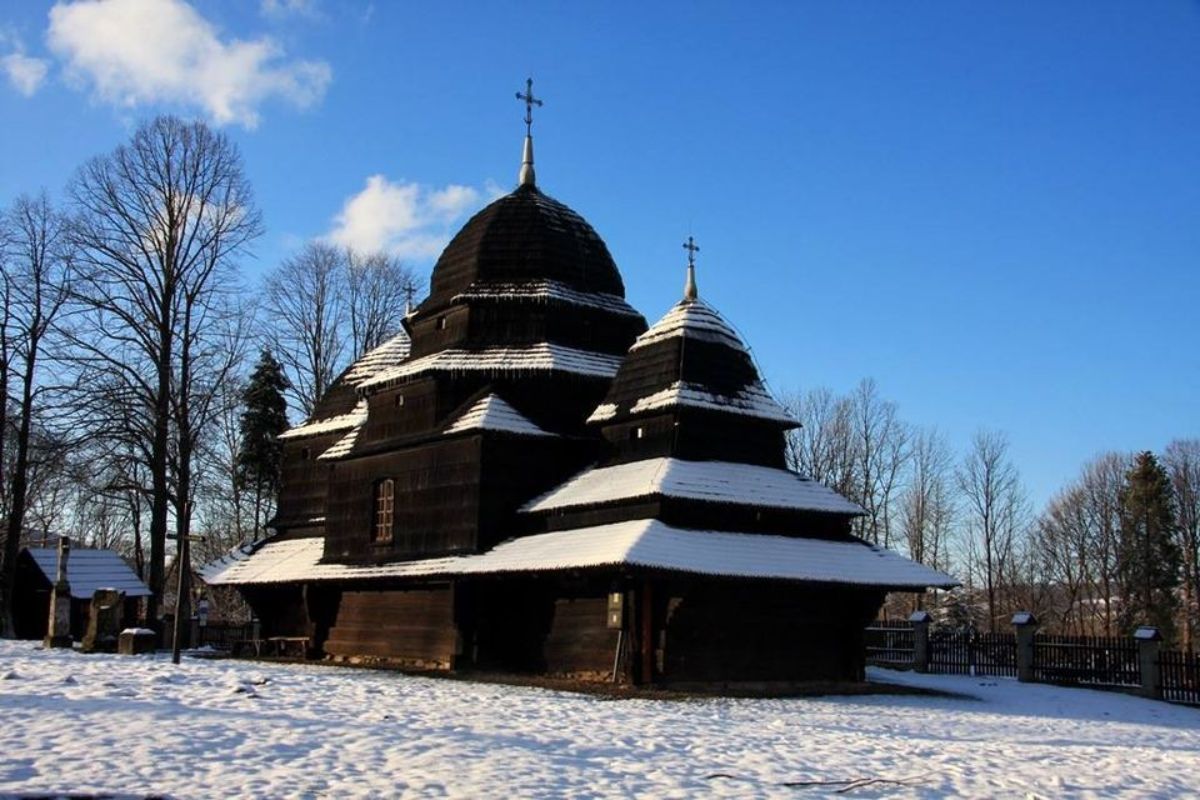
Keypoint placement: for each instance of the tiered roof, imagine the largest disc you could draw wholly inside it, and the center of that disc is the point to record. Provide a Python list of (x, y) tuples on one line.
[(648, 544)]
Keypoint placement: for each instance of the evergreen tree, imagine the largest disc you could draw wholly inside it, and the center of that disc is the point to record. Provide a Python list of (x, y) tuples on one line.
[(1149, 563), (264, 417)]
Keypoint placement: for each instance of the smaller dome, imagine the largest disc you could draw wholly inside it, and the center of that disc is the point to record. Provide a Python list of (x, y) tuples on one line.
[(690, 358)]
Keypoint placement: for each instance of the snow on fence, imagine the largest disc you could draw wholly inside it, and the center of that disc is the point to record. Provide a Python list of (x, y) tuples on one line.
[(1125, 663)]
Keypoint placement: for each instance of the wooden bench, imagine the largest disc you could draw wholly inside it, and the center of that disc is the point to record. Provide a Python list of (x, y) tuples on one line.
[(281, 645)]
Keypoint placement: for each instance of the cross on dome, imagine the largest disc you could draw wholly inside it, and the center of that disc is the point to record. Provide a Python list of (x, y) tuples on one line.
[(689, 288), (530, 102), (527, 177)]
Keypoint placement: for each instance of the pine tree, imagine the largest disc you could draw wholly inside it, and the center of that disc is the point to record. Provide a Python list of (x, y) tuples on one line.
[(1149, 563), (264, 417)]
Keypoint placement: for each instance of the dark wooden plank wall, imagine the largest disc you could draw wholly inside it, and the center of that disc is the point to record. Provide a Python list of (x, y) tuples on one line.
[(697, 435), (730, 631), (437, 502), (579, 642), (304, 481), (414, 627)]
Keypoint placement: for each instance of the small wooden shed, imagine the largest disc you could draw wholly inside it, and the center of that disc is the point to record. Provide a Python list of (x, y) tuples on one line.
[(87, 571)]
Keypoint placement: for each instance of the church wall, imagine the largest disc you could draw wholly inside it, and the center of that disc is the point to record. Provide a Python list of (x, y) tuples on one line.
[(303, 480), (749, 519), (412, 627), (717, 631), (436, 502), (516, 469), (549, 625), (696, 435)]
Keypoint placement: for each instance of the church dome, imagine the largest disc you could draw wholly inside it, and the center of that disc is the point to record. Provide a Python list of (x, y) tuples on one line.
[(523, 237)]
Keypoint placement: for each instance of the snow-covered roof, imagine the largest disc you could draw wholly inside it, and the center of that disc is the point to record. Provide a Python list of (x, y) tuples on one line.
[(342, 422), (712, 481), (651, 544), (753, 400), (541, 357), (388, 354), (89, 570), (492, 413), (342, 446), (693, 319), (547, 291)]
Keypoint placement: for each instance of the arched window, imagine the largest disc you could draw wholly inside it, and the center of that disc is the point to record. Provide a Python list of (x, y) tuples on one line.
[(385, 505)]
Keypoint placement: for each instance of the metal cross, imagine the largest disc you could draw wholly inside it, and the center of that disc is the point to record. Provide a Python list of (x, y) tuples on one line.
[(530, 102), (692, 248)]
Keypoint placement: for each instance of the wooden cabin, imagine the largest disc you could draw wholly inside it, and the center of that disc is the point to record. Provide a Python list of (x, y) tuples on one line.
[(528, 479)]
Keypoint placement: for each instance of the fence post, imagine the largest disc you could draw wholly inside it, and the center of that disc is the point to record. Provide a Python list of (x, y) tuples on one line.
[(1149, 641), (920, 626), (1025, 626)]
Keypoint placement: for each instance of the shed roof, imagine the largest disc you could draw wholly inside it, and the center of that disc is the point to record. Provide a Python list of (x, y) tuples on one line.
[(650, 544), (712, 481), (89, 570)]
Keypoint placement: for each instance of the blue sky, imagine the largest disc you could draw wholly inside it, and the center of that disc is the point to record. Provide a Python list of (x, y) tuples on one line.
[(992, 209)]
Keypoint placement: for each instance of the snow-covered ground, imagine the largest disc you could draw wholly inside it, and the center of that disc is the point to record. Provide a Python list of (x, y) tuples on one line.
[(70, 722)]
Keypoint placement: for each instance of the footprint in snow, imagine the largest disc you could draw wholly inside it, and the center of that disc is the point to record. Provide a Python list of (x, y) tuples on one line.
[(11, 675), (70, 680)]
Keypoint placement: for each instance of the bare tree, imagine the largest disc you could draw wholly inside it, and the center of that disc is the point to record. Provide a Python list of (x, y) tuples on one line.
[(995, 509), (1063, 545), (40, 258), (927, 507), (378, 289), (881, 453), (823, 448), (1182, 460), (305, 308), (159, 218)]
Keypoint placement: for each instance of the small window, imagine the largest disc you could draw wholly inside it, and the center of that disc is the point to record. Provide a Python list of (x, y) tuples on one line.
[(399, 401), (636, 433), (305, 454), (441, 323), (385, 505)]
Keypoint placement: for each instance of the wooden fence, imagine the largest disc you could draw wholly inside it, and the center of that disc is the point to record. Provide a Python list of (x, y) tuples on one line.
[(1086, 660), (1096, 661), (1180, 673), (890, 643), (224, 635), (969, 652)]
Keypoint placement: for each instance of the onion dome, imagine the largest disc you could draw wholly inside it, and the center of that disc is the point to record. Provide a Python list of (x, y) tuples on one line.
[(521, 237)]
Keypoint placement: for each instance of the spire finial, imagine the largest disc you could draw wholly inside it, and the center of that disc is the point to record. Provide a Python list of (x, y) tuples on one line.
[(527, 176), (689, 288), (409, 292)]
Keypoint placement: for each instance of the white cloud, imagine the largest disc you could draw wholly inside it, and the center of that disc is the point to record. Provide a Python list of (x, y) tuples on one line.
[(279, 9), (25, 73), (407, 219), (136, 52)]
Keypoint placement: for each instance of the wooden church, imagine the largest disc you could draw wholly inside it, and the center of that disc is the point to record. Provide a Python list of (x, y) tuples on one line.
[(530, 480)]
